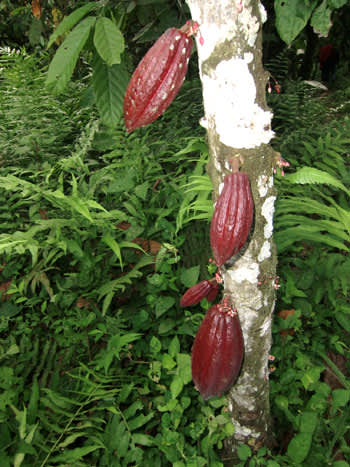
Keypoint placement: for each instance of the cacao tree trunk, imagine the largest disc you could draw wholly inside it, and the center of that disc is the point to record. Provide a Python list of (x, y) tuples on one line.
[(238, 125)]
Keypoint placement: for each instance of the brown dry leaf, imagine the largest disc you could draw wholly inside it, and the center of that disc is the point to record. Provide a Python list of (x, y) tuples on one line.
[(36, 9), (3, 289), (284, 315), (328, 375)]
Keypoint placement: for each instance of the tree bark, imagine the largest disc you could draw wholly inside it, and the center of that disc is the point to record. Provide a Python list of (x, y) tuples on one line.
[(238, 124)]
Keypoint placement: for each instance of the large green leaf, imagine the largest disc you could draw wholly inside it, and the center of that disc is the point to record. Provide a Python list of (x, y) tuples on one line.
[(109, 83), (69, 21), (292, 16), (62, 66), (321, 19), (109, 41)]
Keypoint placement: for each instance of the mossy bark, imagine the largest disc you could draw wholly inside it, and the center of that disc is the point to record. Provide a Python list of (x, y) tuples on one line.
[(230, 63)]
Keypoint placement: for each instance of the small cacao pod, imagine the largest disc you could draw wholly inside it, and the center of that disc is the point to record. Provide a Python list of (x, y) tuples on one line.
[(196, 293), (217, 351), (232, 218), (158, 77)]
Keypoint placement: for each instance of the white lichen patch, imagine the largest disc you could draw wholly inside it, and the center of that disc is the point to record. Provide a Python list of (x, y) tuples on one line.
[(263, 14), (229, 97), (267, 211), (242, 432), (264, 183), (248, 270), (248, 57), (249, 25), (265, 251), (265, 327)]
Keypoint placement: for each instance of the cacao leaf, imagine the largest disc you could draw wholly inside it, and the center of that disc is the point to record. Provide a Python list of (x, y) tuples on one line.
[(291, 17), (321, 19), (63, 63), (109, 85), (109, 41), (69, 21)]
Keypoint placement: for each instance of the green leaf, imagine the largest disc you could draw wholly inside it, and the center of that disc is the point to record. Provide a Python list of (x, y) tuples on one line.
[(321, 19), (189, 277), (244, 452), (63, 63), (174, 347), (109, 84), (291, 17), (33, 402), (163, 304), (312, 175), (343, 320), (176, 386), (184, 367), (311, 376), (168, 362), (73, 455), (139, 421), (155, 345), (109, 41), (143, 440), (299, 447), (337, 3), (71, 439), (69, 21), (340, 398), (308, 422), (113, 245)]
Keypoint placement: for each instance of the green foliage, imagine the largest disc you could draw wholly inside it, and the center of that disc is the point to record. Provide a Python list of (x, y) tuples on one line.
[(94, 346), (293, 15), (312, 236)]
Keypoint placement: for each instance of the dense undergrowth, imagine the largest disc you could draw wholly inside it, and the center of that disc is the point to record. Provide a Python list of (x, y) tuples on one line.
[(101, 233)]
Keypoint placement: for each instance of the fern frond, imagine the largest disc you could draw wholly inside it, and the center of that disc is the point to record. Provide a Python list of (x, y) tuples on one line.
[(311, 175)]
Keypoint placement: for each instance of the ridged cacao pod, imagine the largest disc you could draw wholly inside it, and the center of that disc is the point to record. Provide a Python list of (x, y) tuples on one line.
[(158, 77), (217, 351), (196, 293), (232, 219)]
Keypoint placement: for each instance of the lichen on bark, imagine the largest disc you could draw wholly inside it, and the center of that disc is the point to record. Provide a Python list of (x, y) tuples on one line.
[(234, 86)]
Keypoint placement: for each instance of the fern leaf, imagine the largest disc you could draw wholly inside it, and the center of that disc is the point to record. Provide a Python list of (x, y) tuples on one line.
[(314, 176)]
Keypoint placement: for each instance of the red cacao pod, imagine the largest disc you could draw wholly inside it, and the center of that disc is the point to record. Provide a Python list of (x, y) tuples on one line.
[(158, 77), (196, 293), (232, 219), (217, 351)]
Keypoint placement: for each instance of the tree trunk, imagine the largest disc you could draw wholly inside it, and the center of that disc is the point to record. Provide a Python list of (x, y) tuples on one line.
[(238, 124)]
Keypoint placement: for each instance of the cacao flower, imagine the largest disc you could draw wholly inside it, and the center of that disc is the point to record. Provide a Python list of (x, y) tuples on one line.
[(158, 77), (217, 351), (232, 219), (196, 293)]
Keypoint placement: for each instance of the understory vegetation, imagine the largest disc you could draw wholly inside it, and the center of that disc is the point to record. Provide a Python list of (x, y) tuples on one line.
[(101, 234)]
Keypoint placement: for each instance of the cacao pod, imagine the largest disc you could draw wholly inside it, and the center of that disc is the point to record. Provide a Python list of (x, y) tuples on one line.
[(158, 77), (232, 218), (196, 293), (217, 351)]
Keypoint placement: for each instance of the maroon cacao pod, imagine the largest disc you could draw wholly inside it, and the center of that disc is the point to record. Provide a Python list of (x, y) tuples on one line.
[(196, 293), (158, 77), (217, 351), (232, 219)]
